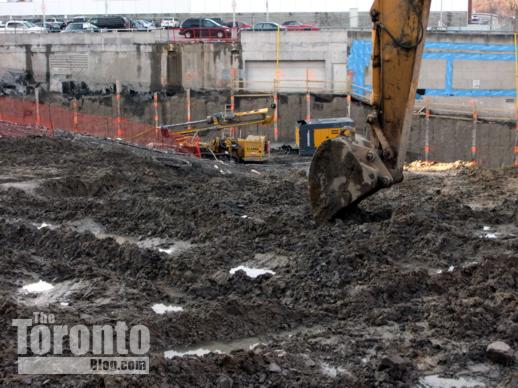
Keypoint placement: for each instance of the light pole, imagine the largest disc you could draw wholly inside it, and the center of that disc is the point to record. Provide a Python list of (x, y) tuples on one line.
[(234, 6), (106, 7), (441, 23), (43, 13), (267, 12)]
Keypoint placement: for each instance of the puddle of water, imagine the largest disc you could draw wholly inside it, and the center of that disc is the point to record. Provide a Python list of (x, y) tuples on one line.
[(331, 371), (161, 308), (45, 225), (215, 347), (39, 287), (88, 225), (165, 246), (251, 272), (498, 232), (178, 247), (434, 381), (196, 352), (27, 186), (43, 293)]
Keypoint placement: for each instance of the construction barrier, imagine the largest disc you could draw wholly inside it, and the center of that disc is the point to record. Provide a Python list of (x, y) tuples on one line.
[(49, 117)]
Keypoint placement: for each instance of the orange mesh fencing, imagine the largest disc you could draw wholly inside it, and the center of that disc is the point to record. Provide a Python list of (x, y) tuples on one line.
[(51, 117)]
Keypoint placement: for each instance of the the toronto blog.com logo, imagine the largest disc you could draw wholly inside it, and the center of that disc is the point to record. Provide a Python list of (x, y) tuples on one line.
[(47, 347)]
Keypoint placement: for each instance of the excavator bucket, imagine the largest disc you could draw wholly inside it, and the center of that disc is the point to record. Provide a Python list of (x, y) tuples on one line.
[(348, 169), (343, 172)]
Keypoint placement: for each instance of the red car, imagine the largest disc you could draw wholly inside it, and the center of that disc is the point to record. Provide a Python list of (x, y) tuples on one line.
[(293, 25), (239, 25), (204, 28)]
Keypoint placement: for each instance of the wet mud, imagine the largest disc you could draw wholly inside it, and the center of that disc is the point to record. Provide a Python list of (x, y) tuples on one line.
[(409, 290)]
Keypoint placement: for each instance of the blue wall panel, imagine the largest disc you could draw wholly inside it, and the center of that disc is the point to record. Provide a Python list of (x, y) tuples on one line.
[(361, 51)]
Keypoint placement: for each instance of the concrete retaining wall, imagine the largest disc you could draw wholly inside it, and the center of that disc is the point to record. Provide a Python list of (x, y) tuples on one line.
[(319, 57), (142, 62)]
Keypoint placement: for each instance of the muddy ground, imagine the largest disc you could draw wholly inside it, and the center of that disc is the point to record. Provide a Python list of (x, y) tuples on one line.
[(408, 291)]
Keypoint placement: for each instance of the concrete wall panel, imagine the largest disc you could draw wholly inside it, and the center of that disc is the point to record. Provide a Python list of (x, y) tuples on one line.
[(484, 75)]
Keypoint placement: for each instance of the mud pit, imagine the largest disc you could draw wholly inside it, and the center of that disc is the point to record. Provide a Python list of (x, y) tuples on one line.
[(408, 291)]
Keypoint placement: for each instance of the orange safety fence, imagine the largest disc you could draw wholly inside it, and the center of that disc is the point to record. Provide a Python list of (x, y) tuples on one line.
[(51, 117)]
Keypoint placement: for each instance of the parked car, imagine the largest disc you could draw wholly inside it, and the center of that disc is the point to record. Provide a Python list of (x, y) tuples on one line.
[(56, 21), (239, 25), (293, 25), (51, 20), (266, 26), (2, 24), (218, 20), (50, 24), (52, 27), (81, 27), (170, 23), (142, 25), (111, 22), (204, 28), (22, 27), (79, 19)]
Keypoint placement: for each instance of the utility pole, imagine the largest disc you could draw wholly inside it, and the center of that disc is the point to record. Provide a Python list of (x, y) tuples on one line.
[(106, 7), (267, 12)]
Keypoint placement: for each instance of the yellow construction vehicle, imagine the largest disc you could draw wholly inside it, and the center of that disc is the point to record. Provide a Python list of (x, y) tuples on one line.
[(253, 148), (349, 168)]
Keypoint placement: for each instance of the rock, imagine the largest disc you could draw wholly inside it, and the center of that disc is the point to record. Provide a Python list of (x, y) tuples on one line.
[(394, 368), (224, 382), (274, 368), (220, 277), (500, 353), (393, 361), (308, 362)]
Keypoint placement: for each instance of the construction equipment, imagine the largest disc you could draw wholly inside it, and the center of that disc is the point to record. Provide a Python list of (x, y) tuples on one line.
[(254, 148), (350, 168), (309, 135)]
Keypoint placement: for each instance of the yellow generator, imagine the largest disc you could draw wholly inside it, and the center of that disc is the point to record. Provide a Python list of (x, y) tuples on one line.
[(310, 134), (252, 149)]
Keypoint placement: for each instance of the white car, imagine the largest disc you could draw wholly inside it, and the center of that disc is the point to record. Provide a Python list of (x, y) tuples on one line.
[(170, 23), (22, 27)]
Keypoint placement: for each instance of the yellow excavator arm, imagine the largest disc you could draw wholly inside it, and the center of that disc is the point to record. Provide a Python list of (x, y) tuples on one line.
[(350, 168)]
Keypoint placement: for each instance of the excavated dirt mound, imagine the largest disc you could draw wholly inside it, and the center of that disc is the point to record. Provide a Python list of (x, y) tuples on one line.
[(408, 290)]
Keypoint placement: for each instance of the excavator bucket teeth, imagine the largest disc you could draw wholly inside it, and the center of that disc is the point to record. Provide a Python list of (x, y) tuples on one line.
[(342, 173)]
